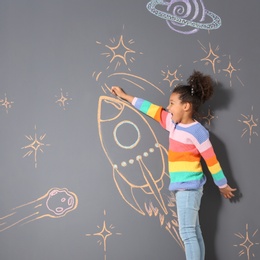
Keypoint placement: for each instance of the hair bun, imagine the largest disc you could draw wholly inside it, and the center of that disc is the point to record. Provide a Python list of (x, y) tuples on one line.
[(202, 85)]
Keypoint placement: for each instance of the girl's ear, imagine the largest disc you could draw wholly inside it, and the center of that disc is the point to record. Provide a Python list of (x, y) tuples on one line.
[(187, 106)]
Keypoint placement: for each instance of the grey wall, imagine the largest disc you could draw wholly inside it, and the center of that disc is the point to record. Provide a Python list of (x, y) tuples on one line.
[(60, 196)]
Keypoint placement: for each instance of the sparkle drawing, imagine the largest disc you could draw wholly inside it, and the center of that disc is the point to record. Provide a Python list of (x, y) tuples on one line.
[(247, 244), (172, 77), (214, 59), (56, 203), (105, 232), (119, 52), (209, 117), (63, 100), (35, 146), (211, 57), (230, 69), (184, 16), (6, 103), (250, 123), (142, 190)]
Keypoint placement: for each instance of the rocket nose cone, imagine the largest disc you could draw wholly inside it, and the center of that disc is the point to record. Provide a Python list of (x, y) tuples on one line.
[(109, 108)]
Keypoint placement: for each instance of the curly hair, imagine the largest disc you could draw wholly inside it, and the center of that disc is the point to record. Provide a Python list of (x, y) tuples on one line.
[(198, 90)]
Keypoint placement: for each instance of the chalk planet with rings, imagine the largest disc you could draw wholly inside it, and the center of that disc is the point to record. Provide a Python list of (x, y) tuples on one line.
[(184, 16)]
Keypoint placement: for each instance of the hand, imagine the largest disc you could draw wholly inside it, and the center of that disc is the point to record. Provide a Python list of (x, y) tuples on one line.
[(119, 92), (227, 192)]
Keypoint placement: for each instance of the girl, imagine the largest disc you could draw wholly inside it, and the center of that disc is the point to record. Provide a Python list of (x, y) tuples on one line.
[(188, 142)]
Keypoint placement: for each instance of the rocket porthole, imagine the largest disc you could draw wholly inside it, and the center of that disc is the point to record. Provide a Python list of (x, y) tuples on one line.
[(136, 132)]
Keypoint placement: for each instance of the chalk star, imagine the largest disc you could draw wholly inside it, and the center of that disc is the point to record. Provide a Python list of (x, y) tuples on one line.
[(171, 77), (230, 69), (120, 47), (211, 57)]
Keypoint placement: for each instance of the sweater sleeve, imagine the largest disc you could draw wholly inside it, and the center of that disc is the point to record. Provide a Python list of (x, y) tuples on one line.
[(208, 154), (154, 111)]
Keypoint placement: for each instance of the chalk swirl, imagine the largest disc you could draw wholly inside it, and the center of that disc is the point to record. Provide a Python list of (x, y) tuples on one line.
[(191, 10), (184, 16)]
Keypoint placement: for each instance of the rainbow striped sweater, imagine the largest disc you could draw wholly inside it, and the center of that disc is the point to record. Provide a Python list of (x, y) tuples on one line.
[(187, 144)]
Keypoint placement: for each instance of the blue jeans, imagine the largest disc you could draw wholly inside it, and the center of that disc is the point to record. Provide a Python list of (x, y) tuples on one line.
[(188, 205)]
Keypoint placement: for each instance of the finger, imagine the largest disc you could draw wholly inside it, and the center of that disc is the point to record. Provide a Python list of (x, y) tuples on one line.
[(231, 195), (113, 91)]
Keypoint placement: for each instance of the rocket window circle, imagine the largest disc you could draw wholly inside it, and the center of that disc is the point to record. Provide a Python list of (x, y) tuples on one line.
[(116, 137)]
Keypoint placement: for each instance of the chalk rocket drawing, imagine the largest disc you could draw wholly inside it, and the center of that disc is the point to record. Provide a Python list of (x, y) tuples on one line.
[(56, 203), (138, 179), (184, 16)]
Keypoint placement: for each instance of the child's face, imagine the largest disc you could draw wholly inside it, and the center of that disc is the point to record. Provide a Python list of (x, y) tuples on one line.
[(176, 108)]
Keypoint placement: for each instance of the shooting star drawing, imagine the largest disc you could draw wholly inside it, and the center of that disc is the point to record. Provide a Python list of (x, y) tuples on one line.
[(56, 203)]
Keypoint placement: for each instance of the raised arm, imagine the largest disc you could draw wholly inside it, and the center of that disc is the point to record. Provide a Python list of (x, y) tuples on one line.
[(117, 91)]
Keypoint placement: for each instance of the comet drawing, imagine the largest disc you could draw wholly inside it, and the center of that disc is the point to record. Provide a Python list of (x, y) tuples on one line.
[(56, 203)]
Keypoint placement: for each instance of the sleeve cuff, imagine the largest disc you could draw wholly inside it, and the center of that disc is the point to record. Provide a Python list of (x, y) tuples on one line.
[(134, 101), (223, 186)]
